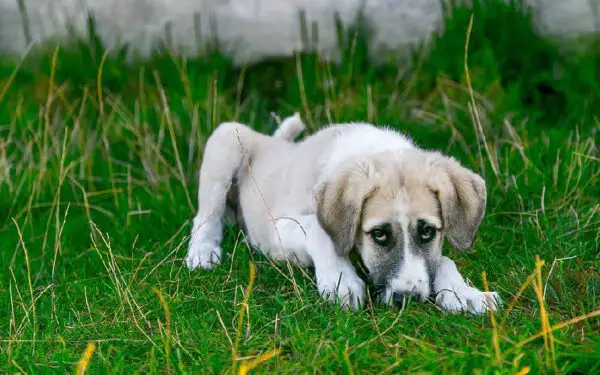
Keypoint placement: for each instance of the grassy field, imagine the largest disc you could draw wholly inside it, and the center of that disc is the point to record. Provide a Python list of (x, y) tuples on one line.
[(98, 173)]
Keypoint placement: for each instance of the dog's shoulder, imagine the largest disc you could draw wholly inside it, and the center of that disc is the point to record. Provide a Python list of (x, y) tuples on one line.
[(354, 140)]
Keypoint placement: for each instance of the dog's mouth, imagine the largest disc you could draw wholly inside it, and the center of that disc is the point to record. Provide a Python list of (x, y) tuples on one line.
[(387, 296), (402, 298), (382, 291)]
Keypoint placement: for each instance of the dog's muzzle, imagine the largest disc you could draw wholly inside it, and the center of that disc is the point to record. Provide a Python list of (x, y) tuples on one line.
[(399, 299)]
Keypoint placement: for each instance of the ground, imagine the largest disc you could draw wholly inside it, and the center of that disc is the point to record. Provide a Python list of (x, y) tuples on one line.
[(99, 161)]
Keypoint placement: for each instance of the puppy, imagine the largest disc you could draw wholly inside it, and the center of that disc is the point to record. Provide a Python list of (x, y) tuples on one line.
[(348, 186)]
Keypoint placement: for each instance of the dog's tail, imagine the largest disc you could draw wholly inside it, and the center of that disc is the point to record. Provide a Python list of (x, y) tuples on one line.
[(290, 128)]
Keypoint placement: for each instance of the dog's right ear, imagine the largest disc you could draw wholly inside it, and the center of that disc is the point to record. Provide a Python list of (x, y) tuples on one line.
[(340, 200), (462, 196)]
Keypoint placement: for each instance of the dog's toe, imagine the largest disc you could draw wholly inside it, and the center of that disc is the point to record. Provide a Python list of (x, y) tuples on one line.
[(450, 301), (348, 291), (204, 256), (470, 300), (481, 302)]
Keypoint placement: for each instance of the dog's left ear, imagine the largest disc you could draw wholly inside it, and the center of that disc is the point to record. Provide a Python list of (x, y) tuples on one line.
[(340, 200), (462, 196)]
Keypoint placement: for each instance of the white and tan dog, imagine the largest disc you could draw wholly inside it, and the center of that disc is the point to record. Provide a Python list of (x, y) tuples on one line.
[(348, 186)]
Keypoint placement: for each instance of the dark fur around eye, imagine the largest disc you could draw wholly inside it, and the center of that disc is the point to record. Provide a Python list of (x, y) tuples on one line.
[(382, 235), (425, 231)]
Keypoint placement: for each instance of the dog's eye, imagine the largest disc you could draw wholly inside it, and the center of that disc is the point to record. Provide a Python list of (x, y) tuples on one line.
[(380, 236), (427, 232)]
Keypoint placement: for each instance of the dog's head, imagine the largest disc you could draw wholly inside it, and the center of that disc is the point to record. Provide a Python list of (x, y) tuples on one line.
[(395, 208)]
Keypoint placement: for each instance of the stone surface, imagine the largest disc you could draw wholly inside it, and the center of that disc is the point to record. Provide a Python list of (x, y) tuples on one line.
[(250, 30)]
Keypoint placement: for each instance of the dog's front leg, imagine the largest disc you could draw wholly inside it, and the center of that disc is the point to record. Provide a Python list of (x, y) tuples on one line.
[(455, 295), (336, 277)]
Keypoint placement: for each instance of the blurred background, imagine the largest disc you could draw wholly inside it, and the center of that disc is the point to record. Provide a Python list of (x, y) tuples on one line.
[(251, 30), (105, 107)]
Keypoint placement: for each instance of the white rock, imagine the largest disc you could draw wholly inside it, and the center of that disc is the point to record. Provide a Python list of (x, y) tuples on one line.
[(251, 30)]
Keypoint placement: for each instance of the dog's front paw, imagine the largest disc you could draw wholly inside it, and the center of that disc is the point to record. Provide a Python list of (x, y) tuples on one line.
[(345, 288), (468, 299), (203, 255)]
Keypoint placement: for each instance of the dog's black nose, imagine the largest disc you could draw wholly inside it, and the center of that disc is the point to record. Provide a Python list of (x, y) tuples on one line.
[(400, 298)]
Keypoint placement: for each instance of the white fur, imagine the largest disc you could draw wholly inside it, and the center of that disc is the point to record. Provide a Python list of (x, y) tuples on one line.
[(360, 139), (290, 128), (276, 191)]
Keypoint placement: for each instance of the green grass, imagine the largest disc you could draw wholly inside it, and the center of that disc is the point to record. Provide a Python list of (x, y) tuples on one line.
[(98, 173)]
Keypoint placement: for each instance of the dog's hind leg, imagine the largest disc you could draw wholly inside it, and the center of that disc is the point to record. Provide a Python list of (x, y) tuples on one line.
[(290, 128), (226, 150)]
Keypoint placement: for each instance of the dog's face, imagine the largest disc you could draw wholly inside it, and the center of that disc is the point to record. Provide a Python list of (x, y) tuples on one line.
[(395, 208)]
